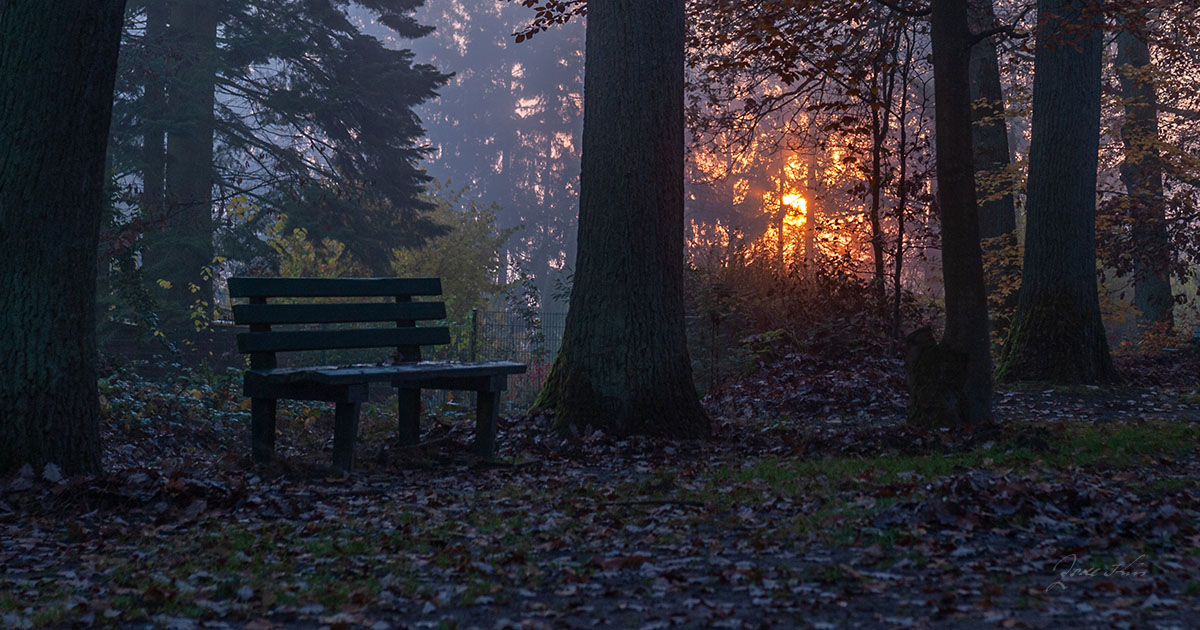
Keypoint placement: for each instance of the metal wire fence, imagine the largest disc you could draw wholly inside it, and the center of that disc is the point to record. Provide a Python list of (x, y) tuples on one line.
[(528, 337)]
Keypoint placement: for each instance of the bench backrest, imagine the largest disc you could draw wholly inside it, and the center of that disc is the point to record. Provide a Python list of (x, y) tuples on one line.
[(261, 343)]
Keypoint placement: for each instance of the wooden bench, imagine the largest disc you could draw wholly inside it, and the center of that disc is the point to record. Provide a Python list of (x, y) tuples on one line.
[(348, 386)]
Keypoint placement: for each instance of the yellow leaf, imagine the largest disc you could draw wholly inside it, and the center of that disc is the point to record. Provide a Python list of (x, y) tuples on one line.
[(166, 284)]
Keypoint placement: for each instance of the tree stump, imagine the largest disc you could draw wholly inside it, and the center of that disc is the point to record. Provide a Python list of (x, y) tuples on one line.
[(936, 377)]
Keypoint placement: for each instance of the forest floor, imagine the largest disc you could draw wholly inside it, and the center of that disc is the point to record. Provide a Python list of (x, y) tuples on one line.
[(813, 506)]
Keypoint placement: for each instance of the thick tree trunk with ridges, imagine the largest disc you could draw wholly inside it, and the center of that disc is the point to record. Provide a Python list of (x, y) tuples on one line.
[(58, 62), (1057, 334), (623, 366)]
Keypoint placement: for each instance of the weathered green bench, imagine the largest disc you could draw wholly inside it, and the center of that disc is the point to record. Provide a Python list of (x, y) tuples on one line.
[(348, 386)]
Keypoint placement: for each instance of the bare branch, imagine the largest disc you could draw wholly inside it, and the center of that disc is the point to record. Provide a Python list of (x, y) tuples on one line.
[(903, 10)]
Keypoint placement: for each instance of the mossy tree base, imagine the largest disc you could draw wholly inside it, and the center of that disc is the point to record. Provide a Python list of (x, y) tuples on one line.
[(585, 399), (1053, 339), (1057, 334)]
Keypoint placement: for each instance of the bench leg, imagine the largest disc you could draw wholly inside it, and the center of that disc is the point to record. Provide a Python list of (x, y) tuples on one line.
[(262, 429), (345, 431), (409, 414), (487, 409)]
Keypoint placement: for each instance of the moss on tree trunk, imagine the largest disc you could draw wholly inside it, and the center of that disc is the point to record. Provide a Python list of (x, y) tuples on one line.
[(1056, 338)]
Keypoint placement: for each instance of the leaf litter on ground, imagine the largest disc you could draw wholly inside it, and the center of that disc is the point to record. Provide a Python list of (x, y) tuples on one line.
[(1079, 509)]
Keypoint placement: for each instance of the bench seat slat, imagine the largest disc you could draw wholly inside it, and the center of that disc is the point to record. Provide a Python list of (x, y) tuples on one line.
[(331, 313), (333, 287), (331, 375), (292, 341)]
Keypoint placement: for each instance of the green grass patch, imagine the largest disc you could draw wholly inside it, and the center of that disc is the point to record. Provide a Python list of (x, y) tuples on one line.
[(839, 484), (1124, 444), (1081, 445)]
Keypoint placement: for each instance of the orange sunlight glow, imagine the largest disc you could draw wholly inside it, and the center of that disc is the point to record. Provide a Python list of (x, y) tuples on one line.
[(798, 209)]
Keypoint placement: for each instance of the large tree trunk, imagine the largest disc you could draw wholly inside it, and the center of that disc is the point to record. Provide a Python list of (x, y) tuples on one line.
[(989, 133), (623, 365), (966, 336), (58, 63), (1141, 173), (1057, 334), (183, 247)]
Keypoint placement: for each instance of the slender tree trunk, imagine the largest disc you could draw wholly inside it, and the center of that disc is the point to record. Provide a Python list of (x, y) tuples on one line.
[(966, 335), (623, 365), (898, 271), (901, 208), (781, 215), (1141, 173), (1057, 334), (184, 248), (810, 211), (58, 64), (989, 134), (878, 137), (154, 146)]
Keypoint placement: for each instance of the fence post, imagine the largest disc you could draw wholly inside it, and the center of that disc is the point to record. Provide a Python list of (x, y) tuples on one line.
[(474, 331)]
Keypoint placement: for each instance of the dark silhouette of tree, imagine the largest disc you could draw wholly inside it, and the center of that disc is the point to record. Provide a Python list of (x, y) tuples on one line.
[(58, 63), (964, 354), (184, 243), (997, 215), (1057, 334), (1141, 172), (623, 365)]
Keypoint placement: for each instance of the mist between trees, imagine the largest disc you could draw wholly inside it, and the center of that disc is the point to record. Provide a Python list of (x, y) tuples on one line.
[(391, 138)]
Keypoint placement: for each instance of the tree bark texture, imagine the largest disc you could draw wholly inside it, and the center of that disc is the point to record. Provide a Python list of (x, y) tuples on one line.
[(623, 365), (58, 63), (989, 133), (1057, 334), (1141, 173), (183, 244), (962, 259)]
